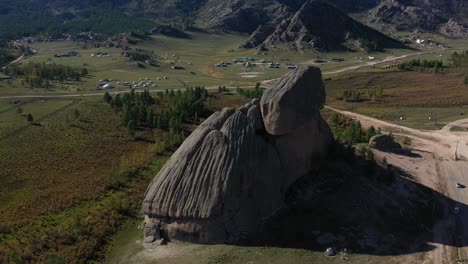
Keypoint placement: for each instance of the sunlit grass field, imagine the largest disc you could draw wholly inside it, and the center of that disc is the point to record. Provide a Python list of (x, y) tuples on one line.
[(197, 56)]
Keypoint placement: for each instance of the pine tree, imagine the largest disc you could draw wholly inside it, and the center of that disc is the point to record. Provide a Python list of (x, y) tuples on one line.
[(107, 97), (76, 113), (335, 119), (131, 128), (117, 102), (30, 118), (149, 117)]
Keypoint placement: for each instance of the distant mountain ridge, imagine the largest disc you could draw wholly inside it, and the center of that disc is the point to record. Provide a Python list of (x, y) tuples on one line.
[(23, 17)]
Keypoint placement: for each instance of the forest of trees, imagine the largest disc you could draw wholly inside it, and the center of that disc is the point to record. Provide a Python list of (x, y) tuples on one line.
[(23, 18), (255, 93), (167, 111), (348, 131), (5, 56), (423, 64), (41, 74), (459, 59), (350, 95)]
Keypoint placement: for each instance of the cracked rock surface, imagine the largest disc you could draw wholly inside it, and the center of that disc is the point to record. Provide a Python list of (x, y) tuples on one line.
[(232, 172)]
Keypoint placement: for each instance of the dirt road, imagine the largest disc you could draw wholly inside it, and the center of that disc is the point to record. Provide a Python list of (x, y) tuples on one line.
[(88, 94), (372, 63), (443, 164)]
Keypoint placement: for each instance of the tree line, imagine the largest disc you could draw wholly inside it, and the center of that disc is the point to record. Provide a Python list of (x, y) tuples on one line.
[(40, 74), (348, 131), (167, 111), (350, 95), (249, 93), (459, 59), (424, 64), (27, 18), (5, 56)]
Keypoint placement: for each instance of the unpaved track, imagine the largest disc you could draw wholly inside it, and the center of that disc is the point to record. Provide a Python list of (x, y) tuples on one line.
[(88, 94), (372, 63), (441, 171)]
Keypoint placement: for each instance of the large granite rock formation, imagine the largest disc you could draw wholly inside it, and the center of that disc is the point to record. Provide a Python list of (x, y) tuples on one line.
[(232, 173)]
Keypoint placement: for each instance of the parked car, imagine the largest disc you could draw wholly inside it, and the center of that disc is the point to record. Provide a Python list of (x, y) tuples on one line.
[(459, 185), (456, 210)]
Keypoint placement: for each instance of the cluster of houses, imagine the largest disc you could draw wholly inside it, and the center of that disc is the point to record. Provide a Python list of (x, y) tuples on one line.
[(250, 62), (142, 83), (243, 60), (69, 54), (420, 40), (222, 64), (430, 42), (272, 65)]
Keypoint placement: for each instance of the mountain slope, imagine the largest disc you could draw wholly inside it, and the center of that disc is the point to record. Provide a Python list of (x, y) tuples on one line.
[(22, 17), (449, 17), (320, 25)]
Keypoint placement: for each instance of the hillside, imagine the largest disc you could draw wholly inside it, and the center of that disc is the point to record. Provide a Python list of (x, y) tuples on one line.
[(448, 17), (114, 16), (24, 17), (305, 29)]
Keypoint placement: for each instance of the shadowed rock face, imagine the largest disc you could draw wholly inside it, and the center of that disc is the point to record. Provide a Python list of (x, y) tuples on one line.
[(232, 173)]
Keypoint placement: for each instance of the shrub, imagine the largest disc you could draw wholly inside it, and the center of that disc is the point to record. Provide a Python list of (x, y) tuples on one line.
[(407, 141)]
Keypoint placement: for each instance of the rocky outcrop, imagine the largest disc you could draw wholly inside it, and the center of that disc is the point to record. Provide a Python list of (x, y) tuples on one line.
[(454, 29), (320, 25), (448, 16), (233, 171)]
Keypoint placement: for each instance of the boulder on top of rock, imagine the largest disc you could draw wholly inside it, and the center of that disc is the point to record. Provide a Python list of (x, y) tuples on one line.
[(384, 143), (230, 174), (293, 100)]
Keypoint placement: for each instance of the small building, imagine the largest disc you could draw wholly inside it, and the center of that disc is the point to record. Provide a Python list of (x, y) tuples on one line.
[(221, 64), (274, 65)]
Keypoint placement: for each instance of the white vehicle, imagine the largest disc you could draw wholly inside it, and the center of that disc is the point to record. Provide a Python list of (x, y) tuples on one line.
[(109, 86), (456, 210), (459, 185)]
